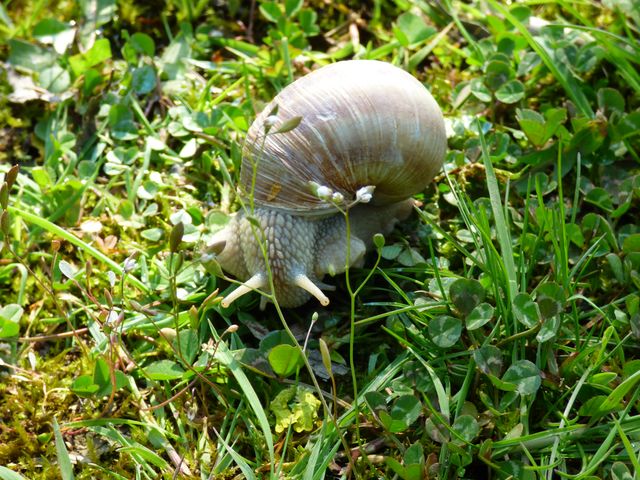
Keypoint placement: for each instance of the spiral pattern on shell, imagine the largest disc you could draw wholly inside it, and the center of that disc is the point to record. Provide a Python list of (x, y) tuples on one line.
[(364, 122)]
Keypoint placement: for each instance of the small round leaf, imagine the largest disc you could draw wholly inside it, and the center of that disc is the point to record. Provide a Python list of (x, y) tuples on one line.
[(467, 427), (525, 375), (525, 310), (488, 359), (479, 316), (466, 294), (510, 92), (285, 360), (445, 331)]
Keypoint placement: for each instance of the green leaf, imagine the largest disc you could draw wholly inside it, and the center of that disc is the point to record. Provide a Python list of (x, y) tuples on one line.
[(549, 329), (466, 294), (11, 312), (30, 57), (375, 401), (285, 360), (497, 73), (102, 378), (510, 92), (143, 79), (629, 126), (414, 455), (164, 370), (152, 234), (480, 90), (467, 427), (291, 7), (390, 252), (616, 397), (143, 43), (98, 53), (397, 467), (271, 11), (533, 126), (273, 339), (64, 462), (619, 471), (92, 78), (54, 32), (592, 407), (6, 474), (525, 375), (610, 101), (526, 310), (513, 469), (187, 345), (297, 407), (307, 19), (529, 61), (445, 330), (405, 410), (411, 29), (10, 320), (479, 316), (539, 129), (121, 123), (631, 243), (574, 234), (488, 358), (83, 386), (410, 257), (172, 60), (600, 197)]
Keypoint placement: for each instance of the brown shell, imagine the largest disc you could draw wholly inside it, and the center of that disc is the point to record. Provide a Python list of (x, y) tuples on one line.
[(364, 122)]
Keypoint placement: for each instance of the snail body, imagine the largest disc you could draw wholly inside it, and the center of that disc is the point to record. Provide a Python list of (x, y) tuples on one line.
[(368, 132)]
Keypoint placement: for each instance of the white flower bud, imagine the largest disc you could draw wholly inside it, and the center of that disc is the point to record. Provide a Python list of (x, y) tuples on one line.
[(337, 197), (270, 121), (365, 194), (129, 264), (324, 192)]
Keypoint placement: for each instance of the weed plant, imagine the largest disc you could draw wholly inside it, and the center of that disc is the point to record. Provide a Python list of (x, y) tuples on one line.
[(492, 335)]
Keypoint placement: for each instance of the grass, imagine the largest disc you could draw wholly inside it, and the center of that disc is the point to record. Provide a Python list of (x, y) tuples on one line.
[(492, 335)]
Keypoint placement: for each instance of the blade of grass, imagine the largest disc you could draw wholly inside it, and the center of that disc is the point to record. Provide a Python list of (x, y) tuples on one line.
[(226, 358), (633, 455), (503, 233), (66, 469), (239, 459), (6, 474)]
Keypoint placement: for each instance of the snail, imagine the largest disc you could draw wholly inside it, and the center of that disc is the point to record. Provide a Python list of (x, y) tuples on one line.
[(370, 136)]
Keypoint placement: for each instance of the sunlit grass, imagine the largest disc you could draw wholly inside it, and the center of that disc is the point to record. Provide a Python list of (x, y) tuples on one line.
[(492, 335)]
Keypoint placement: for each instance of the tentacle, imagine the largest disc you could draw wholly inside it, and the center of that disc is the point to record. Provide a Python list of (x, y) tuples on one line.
[(305, 283), (259, 280)]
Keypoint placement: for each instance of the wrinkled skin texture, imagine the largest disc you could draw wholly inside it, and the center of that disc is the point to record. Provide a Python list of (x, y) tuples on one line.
[(299, 247)]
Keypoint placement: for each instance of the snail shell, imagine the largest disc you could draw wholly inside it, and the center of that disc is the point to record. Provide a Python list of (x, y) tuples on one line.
[(363, 123)]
